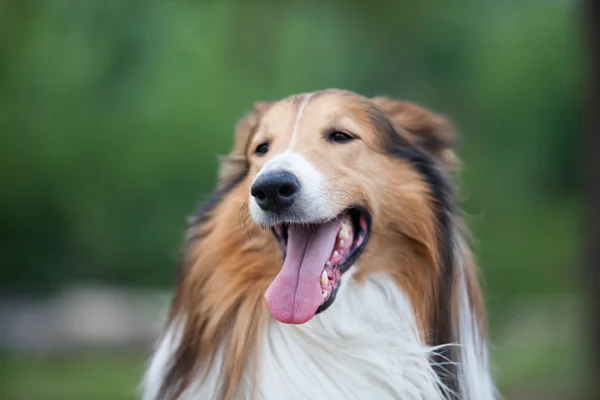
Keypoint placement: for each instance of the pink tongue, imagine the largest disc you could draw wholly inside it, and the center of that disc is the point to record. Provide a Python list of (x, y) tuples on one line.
[(295, 294)]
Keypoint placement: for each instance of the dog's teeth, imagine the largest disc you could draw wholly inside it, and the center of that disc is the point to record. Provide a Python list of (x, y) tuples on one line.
[(328, 263), (324, 279), (342, 244), (336, 253), (324, 294)]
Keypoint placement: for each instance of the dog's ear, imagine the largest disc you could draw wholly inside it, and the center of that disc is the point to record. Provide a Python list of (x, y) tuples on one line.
[(431, 132), (234, 164)]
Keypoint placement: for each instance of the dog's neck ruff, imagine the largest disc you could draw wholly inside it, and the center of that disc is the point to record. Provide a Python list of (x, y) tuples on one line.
[(366, 347)]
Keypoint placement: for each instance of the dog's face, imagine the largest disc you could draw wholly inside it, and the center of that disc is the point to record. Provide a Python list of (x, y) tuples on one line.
[(319, 144), (330, 174)]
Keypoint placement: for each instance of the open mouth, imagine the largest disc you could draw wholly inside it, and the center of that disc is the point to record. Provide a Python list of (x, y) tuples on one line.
[(315, 257)]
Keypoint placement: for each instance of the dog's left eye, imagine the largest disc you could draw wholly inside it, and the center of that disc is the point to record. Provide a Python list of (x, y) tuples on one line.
[(339, 137), (262, 149)]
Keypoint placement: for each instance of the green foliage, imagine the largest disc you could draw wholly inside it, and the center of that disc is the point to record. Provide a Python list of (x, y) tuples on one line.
[(112, 114)]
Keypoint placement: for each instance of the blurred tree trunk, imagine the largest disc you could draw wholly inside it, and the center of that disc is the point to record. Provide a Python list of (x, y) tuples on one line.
[(592, 14)]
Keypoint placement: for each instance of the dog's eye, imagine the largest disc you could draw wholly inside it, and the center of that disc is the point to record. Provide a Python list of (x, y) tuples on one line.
[(339, 137), (262, 149)]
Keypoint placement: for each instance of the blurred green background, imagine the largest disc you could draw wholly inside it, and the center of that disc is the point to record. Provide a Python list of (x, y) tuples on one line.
[(112, 114)]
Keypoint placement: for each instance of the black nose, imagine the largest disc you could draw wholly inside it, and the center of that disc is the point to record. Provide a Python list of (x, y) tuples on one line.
[(275, 191)]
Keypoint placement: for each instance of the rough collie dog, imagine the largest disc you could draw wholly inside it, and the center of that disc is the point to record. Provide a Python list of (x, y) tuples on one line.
[(328, 264)]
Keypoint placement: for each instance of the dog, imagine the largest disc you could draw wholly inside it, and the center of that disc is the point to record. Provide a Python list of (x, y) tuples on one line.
[(329, 263)]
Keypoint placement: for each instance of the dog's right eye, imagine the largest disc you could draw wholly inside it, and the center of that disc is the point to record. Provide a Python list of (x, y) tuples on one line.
[(339, 137), (262, 149)]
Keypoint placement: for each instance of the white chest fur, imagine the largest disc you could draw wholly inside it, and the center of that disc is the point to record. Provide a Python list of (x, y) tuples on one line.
[(366, 346)]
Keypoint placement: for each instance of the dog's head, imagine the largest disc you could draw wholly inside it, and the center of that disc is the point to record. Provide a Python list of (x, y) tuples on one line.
[(345, 183)]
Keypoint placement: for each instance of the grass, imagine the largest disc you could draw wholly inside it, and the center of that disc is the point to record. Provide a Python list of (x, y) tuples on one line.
[(70, 377)]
